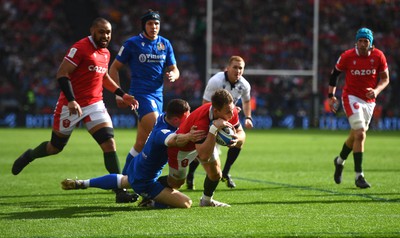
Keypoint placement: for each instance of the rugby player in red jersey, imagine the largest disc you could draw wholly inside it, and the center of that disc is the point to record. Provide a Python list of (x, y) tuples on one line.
[(367, 75), (82, 75), (210, 117)]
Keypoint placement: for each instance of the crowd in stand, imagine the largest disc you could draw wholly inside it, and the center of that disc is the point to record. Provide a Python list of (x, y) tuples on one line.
[(268, 34)]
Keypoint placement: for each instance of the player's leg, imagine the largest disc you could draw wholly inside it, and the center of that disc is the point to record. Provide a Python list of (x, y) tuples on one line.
[(148, 112), (347, 147), (109, 181), (340, 160), (233, 154), (59, 138), (100, 126), (190, 176), (213, 176), (178, 162), (173, 198), (360, 126)]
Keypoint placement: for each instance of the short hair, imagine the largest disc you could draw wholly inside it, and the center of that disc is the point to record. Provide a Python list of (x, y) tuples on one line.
[(220, 98), (177, 107), (99, 20), (235, 58)]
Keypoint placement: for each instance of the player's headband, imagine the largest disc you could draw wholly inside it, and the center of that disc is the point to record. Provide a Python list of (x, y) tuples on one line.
[(365, 33), (150, 15)]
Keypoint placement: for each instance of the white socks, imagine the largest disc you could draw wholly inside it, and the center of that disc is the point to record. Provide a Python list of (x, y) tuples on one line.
[(133, 152)]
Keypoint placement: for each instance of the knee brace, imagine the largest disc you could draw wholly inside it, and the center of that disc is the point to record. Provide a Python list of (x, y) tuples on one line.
[(58, 142), (103, 134)]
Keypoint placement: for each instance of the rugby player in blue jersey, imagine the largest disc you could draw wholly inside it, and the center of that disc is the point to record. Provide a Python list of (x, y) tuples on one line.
[(150, 58), (143, 172)]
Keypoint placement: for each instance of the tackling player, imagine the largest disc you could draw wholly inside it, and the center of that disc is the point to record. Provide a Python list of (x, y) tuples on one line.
[(82, 75), (367, 74), (144, 170)]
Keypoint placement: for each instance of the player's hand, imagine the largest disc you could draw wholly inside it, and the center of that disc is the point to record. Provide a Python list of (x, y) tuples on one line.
[(120, 102), (130, 101), (248, 123), (221, 123), (333, 104), (171, 76), (197, 135), (371, 93), (74, 108), (234, 141)]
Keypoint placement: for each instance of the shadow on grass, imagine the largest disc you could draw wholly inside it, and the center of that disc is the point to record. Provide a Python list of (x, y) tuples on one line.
[(69, 212)]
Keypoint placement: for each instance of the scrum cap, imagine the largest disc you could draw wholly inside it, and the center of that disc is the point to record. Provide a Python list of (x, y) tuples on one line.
[(365, 33), (149, 15)]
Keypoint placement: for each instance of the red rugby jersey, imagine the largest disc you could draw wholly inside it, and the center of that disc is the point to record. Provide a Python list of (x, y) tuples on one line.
[(91, 65), (201, 117), (362, 72)]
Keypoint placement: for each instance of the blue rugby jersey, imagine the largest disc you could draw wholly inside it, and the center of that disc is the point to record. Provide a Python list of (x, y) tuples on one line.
[(148, 164), (147, 60)]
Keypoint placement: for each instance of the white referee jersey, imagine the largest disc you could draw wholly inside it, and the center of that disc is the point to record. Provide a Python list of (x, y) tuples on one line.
[(241, 89)]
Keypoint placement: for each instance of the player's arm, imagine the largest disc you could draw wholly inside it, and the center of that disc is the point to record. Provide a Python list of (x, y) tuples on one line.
[(110, 85), (180, 140), (64, 81), (332, 89), (172, 73), (382, 84), (247, 113), (115, 67), (240, 134)]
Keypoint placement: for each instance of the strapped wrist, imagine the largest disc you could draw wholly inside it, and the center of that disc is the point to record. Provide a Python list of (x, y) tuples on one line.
[(330, 95), (119, 92), (251, 119), (213, 129)]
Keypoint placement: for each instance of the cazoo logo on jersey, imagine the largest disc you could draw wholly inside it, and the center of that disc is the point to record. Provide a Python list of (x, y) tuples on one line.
[(97, 69), (151, 58), (363, 72)]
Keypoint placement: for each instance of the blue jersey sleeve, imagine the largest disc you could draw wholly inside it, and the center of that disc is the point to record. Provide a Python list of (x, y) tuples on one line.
[(124, 55), (170, 60)]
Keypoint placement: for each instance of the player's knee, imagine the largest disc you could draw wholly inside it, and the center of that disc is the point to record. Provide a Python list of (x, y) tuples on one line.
[(188, 203), (215, 176), (57, 143), (359, 135), (104, 135), (175, 184)]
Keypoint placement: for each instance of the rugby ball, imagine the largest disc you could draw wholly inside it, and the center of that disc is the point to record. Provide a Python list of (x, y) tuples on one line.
[(224, 136)]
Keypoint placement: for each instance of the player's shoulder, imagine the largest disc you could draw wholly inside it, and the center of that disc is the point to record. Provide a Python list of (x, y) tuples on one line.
[(132, 39), (162, 38), (217, 78), (244, 81), (82, 43), (349, 52), (377, 52)]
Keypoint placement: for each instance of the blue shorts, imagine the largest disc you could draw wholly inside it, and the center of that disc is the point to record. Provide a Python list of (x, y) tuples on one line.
[(147, 188), (148, 104)]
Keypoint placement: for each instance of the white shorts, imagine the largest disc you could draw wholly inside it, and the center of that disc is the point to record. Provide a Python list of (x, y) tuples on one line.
[(178, 168), (358, 111), (92, 116)]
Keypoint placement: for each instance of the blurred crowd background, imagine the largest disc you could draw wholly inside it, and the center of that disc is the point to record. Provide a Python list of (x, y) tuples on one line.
[(268, 34)]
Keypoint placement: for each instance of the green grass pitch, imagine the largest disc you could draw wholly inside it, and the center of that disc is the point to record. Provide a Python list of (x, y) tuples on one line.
[(284, 180)]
